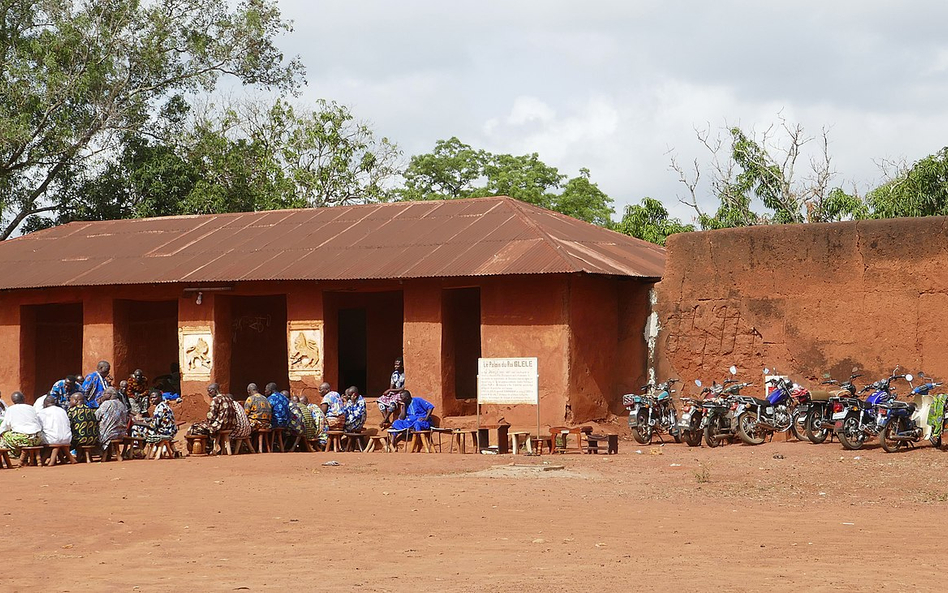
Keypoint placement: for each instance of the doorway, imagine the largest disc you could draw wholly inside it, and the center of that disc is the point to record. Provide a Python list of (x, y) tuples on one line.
[(366, 328), (460, 341), (258, 342), (147, 333), (51, 345)]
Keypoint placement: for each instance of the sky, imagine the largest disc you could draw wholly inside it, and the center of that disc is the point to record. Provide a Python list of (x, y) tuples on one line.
[(620, 87)]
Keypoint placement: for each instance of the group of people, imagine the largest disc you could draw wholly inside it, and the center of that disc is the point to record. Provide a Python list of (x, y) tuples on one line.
[(89, 411)]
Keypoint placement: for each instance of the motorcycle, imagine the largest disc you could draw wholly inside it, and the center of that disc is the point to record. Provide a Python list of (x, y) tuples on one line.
[(778, 413), (855, 420), (651, 415), (897, 419), (819, 418), (721, 409), (692, 421)]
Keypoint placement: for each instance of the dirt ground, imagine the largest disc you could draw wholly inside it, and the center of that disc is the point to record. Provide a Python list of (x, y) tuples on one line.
[(784, 516)]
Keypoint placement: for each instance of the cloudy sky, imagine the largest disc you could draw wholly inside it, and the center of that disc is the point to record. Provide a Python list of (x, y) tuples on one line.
[(618, 86)]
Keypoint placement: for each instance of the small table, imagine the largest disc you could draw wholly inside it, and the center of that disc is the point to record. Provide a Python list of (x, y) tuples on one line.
[(483, 438)]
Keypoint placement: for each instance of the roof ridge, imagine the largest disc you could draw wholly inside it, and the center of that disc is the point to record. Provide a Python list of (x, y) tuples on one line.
[(545, 236)]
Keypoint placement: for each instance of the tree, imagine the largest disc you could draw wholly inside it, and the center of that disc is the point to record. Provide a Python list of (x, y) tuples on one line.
[(78, 76), (919, 190), (457, 170), (748, 170), (649, 221)]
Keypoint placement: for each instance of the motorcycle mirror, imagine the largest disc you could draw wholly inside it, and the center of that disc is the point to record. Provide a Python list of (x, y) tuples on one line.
[(733, 369), (698, 382), (855, 370), (766, 371), (826, 375), (909, 378)]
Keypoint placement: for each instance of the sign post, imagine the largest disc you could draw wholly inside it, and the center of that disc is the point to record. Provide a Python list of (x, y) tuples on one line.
[(508, 382)]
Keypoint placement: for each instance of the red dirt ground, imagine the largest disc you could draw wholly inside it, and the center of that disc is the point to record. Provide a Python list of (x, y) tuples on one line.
[(735, 518)]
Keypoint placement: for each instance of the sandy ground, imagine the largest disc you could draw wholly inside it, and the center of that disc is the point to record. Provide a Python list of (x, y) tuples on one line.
[(784, 516)]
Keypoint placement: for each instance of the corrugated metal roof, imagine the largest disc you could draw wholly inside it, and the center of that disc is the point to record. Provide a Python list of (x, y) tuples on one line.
[(473, 237)]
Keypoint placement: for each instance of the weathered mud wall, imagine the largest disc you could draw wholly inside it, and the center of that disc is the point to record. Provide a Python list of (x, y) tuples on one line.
[(806, 299)]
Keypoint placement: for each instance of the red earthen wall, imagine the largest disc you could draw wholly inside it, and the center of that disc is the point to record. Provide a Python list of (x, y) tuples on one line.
[(805, 299)]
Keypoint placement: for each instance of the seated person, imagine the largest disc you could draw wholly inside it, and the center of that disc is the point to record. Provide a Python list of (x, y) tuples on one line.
[(354, 409), (391, 397), (21, 427), (310, 430), (241, 422), (170, 383), (138, 393), (415, 414), (220, 415), (82, 422), (161, 426), (333, 408), (258, 409), (55, 421), (63, 389), (95, 383), (319, 418), (279, 406), (112, 416)]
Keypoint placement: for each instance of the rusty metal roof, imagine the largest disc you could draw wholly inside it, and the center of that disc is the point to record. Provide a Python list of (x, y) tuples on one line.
[(471, 237)]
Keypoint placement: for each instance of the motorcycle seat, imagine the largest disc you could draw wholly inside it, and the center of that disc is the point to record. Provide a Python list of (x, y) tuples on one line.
[(761, 402), (819, 395), (897, 405)]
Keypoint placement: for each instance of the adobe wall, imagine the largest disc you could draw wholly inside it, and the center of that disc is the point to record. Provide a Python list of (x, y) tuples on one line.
[(805, 299)]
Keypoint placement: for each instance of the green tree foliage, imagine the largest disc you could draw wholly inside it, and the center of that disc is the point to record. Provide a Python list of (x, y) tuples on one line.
[(920, 190), (649, 221), (78, 76), (457, 170)]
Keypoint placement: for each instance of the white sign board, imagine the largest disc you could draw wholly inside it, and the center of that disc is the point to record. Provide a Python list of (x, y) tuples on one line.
[(507, 381)]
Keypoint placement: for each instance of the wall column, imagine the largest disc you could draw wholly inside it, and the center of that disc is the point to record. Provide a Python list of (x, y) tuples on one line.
[(12, 364), (306, 340), (421, 338), (98, 332), (197, 323)]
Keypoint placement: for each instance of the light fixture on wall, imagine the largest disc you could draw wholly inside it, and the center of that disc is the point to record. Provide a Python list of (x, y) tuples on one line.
[(199, 299)]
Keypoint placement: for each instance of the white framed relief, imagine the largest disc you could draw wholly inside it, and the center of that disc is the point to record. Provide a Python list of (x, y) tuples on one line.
[(195, 353), (304, 342)]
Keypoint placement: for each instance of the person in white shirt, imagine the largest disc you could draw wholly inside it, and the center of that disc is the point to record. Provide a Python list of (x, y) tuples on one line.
[(21, 427), (40, 402), (55, 421)]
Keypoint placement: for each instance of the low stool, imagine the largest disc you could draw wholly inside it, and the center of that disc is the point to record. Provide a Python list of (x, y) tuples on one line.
[(441, 432), (377, 440), (297, 439), (521, 439), (421, 439), (223, 441), (85, 452), (30, 456), (539, 441), (335, 440), (276, 436), (113, 448), (355, 441), (241, 442), (58, 452), (313, 445), (262, 438), (163, 447), (5, 459), (393, 435), (196, 444), (129, 444), (459, 436), (593, 440)]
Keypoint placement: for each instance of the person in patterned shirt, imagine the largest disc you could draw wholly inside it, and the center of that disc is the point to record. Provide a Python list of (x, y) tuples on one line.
[(220, 416), (63, 389), (241, 422), (310, 429), (354, 409), (82, 421), (137, 392), (333, 408), (279, 406), (162, 426), (390, 399), (258, 409), (319, 418), (296, 427)]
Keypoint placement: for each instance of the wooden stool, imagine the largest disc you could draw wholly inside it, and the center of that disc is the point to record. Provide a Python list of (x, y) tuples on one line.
[(521, 439), (129, 444), (276, 436), (335, 440), (421, 439), (240, 443), (162, 447), (30, 456), (113, 448), (593, 440), (458, 436), (394, 434), (355, 437), (313, 445), (5, 459), (377, 440), (263, 439), (86, 452), (441, 431), (539, 441), (196, 444), (60, 451), (223, 440)]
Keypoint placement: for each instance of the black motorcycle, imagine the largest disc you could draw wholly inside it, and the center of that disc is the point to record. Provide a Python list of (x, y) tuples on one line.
[(819, 416)]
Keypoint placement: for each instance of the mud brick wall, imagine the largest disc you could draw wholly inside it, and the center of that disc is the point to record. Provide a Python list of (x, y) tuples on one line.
[(806, 299)]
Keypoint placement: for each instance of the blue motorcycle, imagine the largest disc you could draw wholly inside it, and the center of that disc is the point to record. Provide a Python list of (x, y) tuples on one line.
[(899, 427), (856, 420)]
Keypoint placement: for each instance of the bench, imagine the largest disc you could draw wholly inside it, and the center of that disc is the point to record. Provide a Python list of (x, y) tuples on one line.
[(593, 440), (57, 452), (5, 459)]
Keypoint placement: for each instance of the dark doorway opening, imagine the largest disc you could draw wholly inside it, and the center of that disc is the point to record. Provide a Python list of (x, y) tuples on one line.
[(461, 340), (258, 342), (146, 338), (51, 345), (368, 337)]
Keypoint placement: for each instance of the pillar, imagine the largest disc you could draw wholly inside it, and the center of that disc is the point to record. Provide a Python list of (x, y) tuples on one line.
[(11, 365), (421, 337), (98, 332)]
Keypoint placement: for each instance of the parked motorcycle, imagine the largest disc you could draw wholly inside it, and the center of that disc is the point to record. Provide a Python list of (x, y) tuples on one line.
[(855, 420), (692, 421), (651, 415), (721, 410), (778, 413), (819, 416), (897, 419)]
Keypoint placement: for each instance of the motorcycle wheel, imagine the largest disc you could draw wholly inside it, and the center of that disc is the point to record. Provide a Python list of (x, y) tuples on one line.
[(798, 427), (643, 432), (748, 431), (890, 445), (715, 427), (850, 436), (815, 431), (693, 435)]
